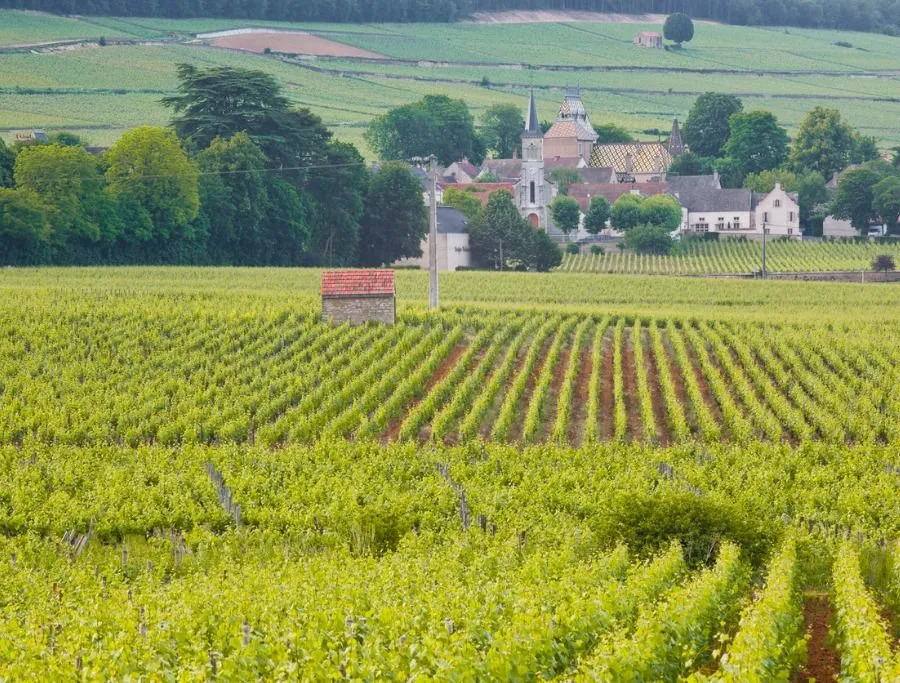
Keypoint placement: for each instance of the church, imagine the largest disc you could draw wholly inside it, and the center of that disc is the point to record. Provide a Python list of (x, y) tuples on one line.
[(572, 142)]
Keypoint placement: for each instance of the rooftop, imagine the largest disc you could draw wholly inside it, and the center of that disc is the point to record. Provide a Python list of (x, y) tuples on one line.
[(357, 282)]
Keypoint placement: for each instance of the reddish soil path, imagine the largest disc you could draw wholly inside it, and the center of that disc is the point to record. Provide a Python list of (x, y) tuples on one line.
[(393, 428), (705, 391), (552, 406), (452, 436), (629, 386), (659, 409), (485, 430), (515, 433), (607, 401), (822, 662), (678, 384), (580, 393)]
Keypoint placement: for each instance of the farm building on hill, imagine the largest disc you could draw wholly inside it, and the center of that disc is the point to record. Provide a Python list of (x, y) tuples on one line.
[(648, 39), (359, 296)]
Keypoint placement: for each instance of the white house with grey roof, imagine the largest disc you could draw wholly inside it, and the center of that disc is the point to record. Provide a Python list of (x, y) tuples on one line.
[(452, 243), (707, 207)]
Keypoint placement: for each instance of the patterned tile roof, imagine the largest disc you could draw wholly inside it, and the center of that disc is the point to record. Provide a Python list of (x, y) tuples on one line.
[(357, 282), (645, 157)]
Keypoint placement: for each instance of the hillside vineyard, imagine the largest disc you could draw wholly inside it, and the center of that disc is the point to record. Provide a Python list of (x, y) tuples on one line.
[(200, 480)]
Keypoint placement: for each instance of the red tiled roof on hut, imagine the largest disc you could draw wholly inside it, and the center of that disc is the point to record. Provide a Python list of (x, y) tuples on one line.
[(357, 282)]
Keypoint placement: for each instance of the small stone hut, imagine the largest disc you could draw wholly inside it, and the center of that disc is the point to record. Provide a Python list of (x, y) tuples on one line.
[(358, 296)]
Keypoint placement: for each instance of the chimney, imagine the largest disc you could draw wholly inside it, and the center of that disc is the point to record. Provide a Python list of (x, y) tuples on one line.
[(629, 163), (515, 152)]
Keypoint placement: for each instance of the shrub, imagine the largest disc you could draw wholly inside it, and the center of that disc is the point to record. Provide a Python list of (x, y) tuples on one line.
[(267, 51), (884, 263), (573, 249), (597, 250), (649, 239)]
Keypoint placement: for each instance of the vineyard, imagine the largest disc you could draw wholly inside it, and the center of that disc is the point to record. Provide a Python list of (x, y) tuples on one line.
[(201, 480), (706, 258)]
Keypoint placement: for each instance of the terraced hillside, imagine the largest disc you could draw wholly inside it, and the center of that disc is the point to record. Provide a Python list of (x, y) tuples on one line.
[(101, 92)]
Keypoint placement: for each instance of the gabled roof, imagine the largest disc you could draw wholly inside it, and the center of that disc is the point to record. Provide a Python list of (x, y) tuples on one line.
[(466, 167), (561, 162), (583, 192), (691, 186), (504, 169), (597, 175), (451, 221), (645, 157), (357, 282), (718, 200)]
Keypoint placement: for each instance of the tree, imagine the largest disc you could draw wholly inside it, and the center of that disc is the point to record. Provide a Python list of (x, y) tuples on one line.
[(824, 143), (500, 239), (148, 164), (563, 177), (707, 127), (338, 192), (691, 164), (610, 132), (883, 263), (221, 101), (854, 197), (545, 252), (865, 148), (566, 213), (678, 28), (626, 212), (756, 142), (896, 160), (662, 211), (501, 129), (69, 184), (435, 125), (886, 202), (597, 215), (464, 202), (764, 181), (395, 220), (812, 194), (24, 232), (649, 239), (7, 163)]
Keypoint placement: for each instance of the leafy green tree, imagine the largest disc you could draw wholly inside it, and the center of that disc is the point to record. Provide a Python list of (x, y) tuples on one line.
[(764, 181), (610, 132), (234, 198), (7, 163), (626, 212), (649, 239), (854, 198), (149, 165), (221, 101), (597, 215), (566, 214), (812, 194), (865, 148), (886, 202), (501, 129), (24, 232), (756, 142), (464, 202), (896, 160), (730, 173), (338, 192), (661, 210), (563, 177), (678, 28), (545, 254), (435, 125), (824, 143), (500, 239), (395, 220), (69, 183), (66, 139), (707, 127), (691, 164)]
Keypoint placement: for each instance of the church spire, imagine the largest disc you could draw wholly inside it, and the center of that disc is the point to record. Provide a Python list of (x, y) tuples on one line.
[(532, 124), (676, 144)]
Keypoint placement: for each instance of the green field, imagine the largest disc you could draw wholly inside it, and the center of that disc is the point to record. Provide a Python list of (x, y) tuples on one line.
[(101, 92), (561, 476), (715, 258)]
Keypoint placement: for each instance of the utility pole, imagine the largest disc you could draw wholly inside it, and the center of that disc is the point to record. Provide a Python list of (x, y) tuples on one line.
[(763, 272), (432, 239)]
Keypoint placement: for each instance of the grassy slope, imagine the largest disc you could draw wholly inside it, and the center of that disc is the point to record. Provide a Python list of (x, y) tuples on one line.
[(70, 80)]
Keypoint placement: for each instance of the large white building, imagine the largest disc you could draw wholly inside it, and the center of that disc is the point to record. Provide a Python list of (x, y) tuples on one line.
[(452, 243)]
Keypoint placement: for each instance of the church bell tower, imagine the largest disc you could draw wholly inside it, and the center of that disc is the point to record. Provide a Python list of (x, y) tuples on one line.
[(534, 192)]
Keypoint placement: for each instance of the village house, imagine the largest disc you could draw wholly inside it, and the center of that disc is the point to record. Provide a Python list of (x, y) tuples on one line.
[(462, 172), (452, 243), (708, 208), (572, 134), (648, 39)]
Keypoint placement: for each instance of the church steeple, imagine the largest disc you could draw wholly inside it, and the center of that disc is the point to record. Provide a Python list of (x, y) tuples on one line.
[(676, 144), (532, 124)]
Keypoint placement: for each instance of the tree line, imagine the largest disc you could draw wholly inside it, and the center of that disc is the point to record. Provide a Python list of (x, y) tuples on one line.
[(858, 15), (240, 178)]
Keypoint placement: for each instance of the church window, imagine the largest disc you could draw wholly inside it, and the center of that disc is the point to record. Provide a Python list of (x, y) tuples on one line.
[(532, 192)]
